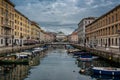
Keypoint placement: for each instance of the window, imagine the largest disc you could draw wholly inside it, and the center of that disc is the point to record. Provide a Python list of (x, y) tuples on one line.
[(1, 41), (21, 23), (109, 20), (10, 41), (116, 28), (116, 17), (15, 21), (116, 41), (112, 29), (15, 33), (89, 22), (112, 18), (109, 30), (20, 29), (2, 12), (112, 41), (15, 26)]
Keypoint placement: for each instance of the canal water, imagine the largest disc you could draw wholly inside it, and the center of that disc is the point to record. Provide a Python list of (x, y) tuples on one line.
[(55, 65)]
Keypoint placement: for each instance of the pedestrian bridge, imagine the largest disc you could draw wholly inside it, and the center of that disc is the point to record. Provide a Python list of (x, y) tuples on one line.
[(59, 43)]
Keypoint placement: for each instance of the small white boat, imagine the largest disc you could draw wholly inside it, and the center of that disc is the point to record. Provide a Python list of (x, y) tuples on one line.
[(38, 48), (106, 70), (87, 58), (22, 56), (26, 53)]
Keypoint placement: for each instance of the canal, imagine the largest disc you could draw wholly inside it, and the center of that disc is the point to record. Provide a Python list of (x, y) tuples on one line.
[(55, 65)]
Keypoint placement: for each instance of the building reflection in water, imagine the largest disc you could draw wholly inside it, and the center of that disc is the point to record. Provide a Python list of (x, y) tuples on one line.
[(17, 72), (13, 72)]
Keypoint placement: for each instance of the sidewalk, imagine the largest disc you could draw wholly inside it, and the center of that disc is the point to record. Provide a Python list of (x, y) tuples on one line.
[(112, 50), (10, 49)]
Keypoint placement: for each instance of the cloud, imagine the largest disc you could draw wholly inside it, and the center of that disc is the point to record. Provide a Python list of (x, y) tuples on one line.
[(89, 2), (52, 14)]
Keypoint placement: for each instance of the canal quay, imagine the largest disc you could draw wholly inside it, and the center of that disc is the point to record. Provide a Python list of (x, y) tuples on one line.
[(55, 64)]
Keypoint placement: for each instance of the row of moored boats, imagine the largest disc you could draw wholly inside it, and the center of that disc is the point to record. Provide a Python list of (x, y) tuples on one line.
[(87, 56)]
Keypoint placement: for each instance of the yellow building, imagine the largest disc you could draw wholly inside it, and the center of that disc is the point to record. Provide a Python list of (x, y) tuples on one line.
[(35, 31), (6, 22), (105, 31), (22, 28), (15, 27)]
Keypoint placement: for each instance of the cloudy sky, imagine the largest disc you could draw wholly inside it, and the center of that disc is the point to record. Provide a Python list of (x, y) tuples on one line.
[(62, 15)]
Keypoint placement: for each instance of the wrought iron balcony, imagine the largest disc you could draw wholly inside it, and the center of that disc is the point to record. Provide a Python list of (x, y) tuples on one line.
[(7, 35), (6, 26)]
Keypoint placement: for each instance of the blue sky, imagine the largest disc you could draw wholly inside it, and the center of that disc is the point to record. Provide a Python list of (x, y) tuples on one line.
[(63, 15)]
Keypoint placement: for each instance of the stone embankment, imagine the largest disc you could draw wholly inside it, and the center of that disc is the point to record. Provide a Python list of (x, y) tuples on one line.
[(7, 50), (109, 55)]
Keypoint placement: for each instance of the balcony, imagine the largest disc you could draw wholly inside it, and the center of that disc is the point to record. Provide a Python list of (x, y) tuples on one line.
[(7, 36), (6, 26)]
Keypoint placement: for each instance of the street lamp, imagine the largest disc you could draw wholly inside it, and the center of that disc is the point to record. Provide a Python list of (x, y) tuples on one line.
[(12, 42), (21, 41)]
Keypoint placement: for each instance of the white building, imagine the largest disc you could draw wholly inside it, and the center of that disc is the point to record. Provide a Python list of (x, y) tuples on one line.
[(60, 36), (81, 28)]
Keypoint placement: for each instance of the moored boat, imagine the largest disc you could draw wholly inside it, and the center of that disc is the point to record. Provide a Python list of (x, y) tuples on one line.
[(73, 50), (80, 53), (106, 71), (85, 58)]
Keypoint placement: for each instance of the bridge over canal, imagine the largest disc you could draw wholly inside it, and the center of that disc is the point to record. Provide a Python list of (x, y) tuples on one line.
[(59, 43)]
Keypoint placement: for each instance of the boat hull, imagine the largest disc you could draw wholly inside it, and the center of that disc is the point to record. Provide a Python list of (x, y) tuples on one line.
[(106, 72)]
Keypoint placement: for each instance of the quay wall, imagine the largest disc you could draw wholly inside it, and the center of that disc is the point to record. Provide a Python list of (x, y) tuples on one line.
[(7, 50), (111, 56)]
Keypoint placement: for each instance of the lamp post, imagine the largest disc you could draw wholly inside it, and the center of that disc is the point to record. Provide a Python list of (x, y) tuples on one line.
[(12, 42), (21, 41), (119, 44)]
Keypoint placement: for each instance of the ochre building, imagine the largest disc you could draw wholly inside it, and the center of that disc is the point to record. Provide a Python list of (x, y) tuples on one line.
[(105, 31), (6, 22), (22, 28)]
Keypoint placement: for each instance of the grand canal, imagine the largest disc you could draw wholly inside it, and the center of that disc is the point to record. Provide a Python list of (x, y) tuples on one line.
[(55, 65)]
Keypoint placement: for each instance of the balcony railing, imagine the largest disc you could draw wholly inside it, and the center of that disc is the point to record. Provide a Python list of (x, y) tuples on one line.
[(7, 36), (7, 26)]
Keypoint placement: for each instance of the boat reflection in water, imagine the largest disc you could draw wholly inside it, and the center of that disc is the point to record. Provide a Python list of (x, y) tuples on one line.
[(105, 77), (85, 69), (17, 72)]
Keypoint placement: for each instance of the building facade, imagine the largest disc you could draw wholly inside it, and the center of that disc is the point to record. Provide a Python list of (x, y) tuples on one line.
[(6, 22), (73, 38), (35, 32), (105, 31), (60, 36), (81, 28), (16, 28), (22, 28)]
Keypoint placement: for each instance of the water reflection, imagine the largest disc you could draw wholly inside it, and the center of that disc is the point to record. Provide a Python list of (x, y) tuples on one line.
[(56, 65), (85, 69), (18, 72), (13, 72), (105, 77)]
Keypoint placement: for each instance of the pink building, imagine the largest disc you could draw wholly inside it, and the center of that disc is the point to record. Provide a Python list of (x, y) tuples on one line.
[(73, 37)]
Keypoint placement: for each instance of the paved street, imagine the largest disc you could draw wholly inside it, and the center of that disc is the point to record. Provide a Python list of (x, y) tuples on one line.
[(113, 50)]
